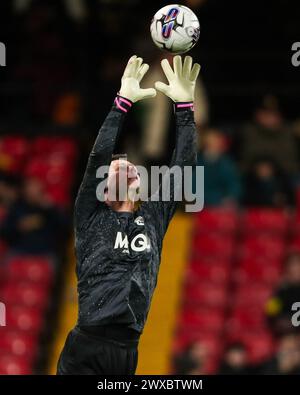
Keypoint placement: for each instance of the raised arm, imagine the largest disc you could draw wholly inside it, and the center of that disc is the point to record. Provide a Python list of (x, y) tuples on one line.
[(182, 80), (130, 92)]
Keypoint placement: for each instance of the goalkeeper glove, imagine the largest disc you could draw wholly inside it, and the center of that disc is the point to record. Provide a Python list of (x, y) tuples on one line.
[(130, 83), (182, 80)]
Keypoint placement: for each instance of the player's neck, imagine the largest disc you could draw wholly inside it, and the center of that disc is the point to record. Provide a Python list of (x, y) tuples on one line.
[(127, 205)]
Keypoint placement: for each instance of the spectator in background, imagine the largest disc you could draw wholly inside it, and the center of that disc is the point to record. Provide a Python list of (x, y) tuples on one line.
[(32, 225), (9, 190), (192, 360), (268, 135), (221, 177), (235, 360), (279, 307), (287, 358), (266, 186)]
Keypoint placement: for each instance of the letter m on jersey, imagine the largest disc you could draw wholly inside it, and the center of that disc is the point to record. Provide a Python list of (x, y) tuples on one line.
[(121, 242)]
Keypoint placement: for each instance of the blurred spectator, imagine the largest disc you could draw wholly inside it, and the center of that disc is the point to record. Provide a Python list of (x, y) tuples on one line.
[(268, 135), (192, 360), (32, 225), (274, 188), (279, 307), (221, 178), (235, 360), (9, 190), (287, 358)]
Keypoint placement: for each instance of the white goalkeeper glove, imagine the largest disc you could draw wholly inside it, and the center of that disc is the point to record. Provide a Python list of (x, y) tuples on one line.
[(182, 80), (130, 83)]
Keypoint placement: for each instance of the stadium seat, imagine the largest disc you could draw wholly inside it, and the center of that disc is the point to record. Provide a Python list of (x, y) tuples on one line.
[(13, 151), (216, 220), (25, 319), (213, 245), (201, 270), (253, 272), (18, 343), (13, 365), (206, 295), (27, 294), (46, 144), (206, 320), (265, 220), (251, 294), (30, 268), (244, 319), (262, 245), (260, 346)]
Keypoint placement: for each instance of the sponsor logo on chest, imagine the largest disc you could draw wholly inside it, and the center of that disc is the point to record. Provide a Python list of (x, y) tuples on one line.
[(139, 243)]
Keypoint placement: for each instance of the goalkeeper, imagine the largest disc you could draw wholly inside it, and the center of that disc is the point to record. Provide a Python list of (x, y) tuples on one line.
[(118, 248)]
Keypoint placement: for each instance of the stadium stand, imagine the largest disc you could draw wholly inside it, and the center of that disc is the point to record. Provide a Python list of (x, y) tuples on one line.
[(234, 266), (28, 282)]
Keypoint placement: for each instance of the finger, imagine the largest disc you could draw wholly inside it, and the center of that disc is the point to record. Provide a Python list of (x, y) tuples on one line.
[(177, 64), (195, 72), (147, 93), (187, 66), (142, 71), (137, 65), (129, 67), (167, 69), (160, 86)]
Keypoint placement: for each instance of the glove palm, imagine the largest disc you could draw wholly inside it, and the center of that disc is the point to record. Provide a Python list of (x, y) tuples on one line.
[(182, 80), (130, 83)]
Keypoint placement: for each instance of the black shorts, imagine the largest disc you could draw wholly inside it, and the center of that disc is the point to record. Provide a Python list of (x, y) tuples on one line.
[(107, 351)]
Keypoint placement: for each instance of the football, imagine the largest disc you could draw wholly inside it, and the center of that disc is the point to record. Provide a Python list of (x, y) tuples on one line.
[(175, 28)]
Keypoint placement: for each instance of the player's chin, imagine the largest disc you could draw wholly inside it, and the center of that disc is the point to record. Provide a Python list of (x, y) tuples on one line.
[(133, 191)]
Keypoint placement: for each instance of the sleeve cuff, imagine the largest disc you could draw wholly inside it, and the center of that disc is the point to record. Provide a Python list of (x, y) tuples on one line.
[(121, 104), (183, 106)]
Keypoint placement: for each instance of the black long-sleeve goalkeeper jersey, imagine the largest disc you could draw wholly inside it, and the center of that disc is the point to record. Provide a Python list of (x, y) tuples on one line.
[(118, 254)]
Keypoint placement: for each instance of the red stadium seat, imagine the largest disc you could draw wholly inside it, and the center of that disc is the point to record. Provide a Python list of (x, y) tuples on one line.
[(246, 319), (265, 220), (18, 343), (260, 346), (25, 319), (13, 365), (27, 294), (251, 294), (30, 268), (200, 270), (216, 220), (64, 145), (263, 245), (253, 271), (206, 320), (206, 295), (214, 245)]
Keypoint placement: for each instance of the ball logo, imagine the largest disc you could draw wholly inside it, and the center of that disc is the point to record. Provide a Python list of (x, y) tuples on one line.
[(138, 244), (169, 22)]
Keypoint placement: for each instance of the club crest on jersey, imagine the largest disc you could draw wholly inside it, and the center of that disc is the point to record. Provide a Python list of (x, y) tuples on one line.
[(138, 244), (139, 221)]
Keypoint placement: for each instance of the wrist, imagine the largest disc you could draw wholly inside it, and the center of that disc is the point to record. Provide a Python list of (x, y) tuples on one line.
[(122, 104), (183, 106)]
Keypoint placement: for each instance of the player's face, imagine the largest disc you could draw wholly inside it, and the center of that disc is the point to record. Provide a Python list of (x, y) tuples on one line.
[(123, 178)]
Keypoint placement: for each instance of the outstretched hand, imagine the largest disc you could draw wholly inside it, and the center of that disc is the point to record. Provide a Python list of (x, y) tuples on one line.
[(182, 79), (130, 83)]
